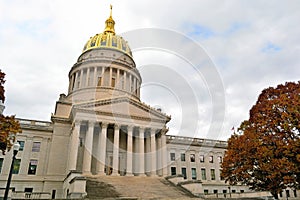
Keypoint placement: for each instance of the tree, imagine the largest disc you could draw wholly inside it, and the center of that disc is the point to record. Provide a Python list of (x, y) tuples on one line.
[(265, 154), (9, 126)]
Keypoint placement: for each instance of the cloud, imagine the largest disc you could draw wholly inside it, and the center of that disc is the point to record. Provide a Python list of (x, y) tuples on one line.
[(252, 44)]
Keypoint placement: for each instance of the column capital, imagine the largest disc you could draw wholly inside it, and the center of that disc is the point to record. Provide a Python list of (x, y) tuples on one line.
[(153, 130), (92, 123), (129, 127), (117, 126), (104, 124), (77, 122)]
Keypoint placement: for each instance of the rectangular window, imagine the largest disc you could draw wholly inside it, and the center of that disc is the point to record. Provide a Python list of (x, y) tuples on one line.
[(205, 191), (113, 82), (201, 158), (211, 159), (183, 172), (99, 81), (21, 143), (212, 174), (203, 174), (220, 159), (221, 178), (173, 170), (192, 156), (233, 191), (1, 164), (36, 147), (215, 191), (182, 157), (16, 167), (194, 174), (28, 192), (172, 155), (32, 167), (242, 191)]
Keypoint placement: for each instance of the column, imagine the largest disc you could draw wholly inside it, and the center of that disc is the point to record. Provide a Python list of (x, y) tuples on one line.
[(110, 76), (164, 154), (129, 83), (141, 152), (153, 153), (102, 149), (87, 77), (159, 156), (74, 146), (102, 75), (129, 151), (124, 78), (118, 82), (81, 79), (95, 83), (88, 145), (147, 153), (116, 150)]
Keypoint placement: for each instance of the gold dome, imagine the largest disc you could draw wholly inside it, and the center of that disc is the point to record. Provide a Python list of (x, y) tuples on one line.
[(108, 39)]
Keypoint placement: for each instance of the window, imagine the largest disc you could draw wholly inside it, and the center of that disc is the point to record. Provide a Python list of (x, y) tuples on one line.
[(1, 164), (233, 191), (113, 82), (201, 158), (215, 191), (212, 174), (192, 156), (182, 156), (172, 155), (203, 174), (32, 167), (220, 159), (53, 194), (99, 81), (211, 159), (173, 170), (21, 143), (36, 147), (28, 192), (205, 191), (222, 178), (16, 167), (194, 174), (242, 191), (183, 172)]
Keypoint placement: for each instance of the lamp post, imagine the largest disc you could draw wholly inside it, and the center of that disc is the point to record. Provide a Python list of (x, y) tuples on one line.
[(15, 151)]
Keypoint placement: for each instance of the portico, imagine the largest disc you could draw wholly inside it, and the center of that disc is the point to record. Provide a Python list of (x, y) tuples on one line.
[(103, 148)]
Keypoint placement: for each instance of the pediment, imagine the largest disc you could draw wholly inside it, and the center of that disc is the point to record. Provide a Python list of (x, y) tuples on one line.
[(123, 107)]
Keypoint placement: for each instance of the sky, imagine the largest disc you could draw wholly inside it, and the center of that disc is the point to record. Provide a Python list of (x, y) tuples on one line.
[(204, 62)]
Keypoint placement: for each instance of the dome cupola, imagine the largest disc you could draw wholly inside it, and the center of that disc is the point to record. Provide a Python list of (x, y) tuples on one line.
[(105, 69)]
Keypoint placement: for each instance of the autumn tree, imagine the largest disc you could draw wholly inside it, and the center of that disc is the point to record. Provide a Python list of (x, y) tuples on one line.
[(9, 126), (265, 153)]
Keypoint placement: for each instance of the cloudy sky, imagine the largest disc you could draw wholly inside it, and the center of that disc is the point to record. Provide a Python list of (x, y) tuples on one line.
[(220, 54)]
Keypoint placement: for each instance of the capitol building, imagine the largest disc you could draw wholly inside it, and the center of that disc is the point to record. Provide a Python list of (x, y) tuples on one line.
[(101, 128)]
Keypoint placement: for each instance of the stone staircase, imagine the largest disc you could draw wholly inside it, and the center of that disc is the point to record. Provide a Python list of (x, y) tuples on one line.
[(122, 187)]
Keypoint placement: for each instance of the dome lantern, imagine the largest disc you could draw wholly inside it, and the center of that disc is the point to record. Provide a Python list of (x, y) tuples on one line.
[(110, 24)]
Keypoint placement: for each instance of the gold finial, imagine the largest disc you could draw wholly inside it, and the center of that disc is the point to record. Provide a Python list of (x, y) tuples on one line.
[(110, 23), (110, 10)]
